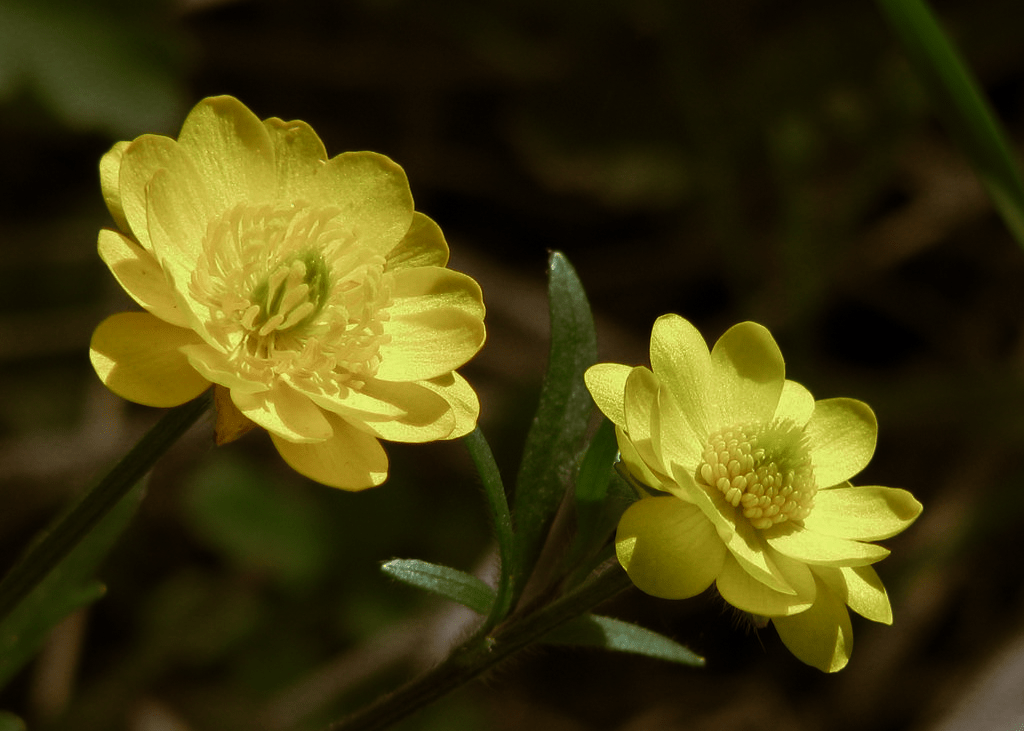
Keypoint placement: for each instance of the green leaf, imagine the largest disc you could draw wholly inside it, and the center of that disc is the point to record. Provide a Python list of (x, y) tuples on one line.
[(961, 105), (67, 587), (593, 630), (595, 475), (445, 581), (10, 722), (560, 424), (497, 501)]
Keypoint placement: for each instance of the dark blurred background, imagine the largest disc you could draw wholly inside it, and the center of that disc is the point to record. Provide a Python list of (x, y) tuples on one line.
[(726, 161)]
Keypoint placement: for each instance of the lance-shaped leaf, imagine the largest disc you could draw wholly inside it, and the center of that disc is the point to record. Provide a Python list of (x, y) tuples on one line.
[(445, 581), (66, 588), (555, 438), (961, 105), (594, 630)]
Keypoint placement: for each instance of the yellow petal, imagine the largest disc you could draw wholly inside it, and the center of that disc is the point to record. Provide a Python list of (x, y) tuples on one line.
[(350, 459), (372, 191), (822, 636), (462, 399), (607, 385), (674, 440), (860, 587), (422, 246), (231, 152), (640, 407), (110, 174), (634, 463), (841, 437), (299, 154), (398, 412), (796, 404), (285, 412), (681, 360), (140, 161), (749, 374), (137, 356), (744, 592), (216, 367), (819, 549), (668, 548), (862, 513), (435, 324), (138, 272)]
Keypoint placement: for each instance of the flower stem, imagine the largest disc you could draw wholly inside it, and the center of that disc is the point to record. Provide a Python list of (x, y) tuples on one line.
[(52, 546), (480, 654)]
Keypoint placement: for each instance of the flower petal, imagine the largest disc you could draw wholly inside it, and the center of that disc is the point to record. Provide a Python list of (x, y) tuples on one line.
[(216, 367), (462, 399), (422, 246), (372, 193), (634, 463), (607, 385), (796, 404), (681, 360), (862, 513), (668, 548), (435, 324), (299, 154), (641, 419), (285, 412), (822, 636), (110, 174), (749, 374), (745, 592), (398, 412), (860, 587), (674, 440), (137, 356), (841, 438), (139, 273), (350, 459), (231, 151), (819, 549)]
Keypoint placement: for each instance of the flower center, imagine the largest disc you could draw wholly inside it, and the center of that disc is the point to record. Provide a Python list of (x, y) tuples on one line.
[(290, 292), (764, 470)]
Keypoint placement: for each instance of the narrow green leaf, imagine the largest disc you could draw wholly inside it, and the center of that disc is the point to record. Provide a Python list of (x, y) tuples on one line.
[(497, 501), (445, 581), (593, 630), (592, 482), (67, 587), (559, 426), (961, 105)]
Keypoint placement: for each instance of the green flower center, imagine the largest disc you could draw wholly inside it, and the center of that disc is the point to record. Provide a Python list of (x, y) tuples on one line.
[(290, 290), (763, 470)]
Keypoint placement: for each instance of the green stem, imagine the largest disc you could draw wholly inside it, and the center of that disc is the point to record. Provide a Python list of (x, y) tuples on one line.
[(52, 546), (481, 654)]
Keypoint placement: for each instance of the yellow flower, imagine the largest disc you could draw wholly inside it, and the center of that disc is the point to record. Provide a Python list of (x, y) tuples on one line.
[(306, 288), (752, 476)]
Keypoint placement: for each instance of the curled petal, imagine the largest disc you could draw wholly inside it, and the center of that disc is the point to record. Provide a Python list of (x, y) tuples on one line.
[(285, 412), (634, 463), (819, 549), (668, 548), (398, 412), (821, 636), (462, 399), (860, 587), (138, 357), (641, 398), (862, 513), (607, 385), (841, 436), (749, 375), (140, 161), (743, 591), (349, 459), (110, 174), (139, 273), (674, 440)]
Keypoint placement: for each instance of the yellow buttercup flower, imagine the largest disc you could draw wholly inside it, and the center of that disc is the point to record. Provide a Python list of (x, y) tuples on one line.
[(306, 289), (750, 480)]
